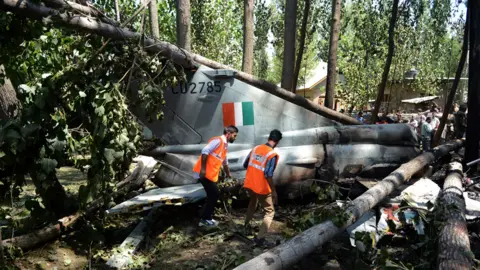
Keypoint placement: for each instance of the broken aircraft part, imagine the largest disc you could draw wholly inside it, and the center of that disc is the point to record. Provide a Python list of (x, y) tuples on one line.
[(312, 146)]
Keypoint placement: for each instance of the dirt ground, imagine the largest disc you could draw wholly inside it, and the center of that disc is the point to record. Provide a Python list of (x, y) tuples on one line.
[(174, 240)]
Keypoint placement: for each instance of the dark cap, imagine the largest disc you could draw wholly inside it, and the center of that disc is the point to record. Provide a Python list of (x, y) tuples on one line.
[(275, 135)]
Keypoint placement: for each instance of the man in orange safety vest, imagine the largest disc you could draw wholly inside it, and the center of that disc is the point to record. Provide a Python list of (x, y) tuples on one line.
[(207, 168), (260, 165)]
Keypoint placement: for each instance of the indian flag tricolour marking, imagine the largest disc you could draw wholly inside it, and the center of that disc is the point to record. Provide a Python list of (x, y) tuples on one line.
[(238, 113)]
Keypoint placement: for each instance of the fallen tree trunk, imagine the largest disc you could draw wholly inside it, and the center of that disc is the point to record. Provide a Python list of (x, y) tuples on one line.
[(177, 55), (82, 9), (290, 252), (453, 243), (27, 241)]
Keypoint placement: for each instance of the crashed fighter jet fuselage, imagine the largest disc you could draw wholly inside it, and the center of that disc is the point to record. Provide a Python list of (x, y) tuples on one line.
[(312, 146)]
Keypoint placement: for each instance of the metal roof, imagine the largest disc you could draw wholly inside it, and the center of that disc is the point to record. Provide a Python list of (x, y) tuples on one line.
[(419, 100)]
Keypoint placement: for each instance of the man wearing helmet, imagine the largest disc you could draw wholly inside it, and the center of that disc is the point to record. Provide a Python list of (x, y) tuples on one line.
[(260, 165)]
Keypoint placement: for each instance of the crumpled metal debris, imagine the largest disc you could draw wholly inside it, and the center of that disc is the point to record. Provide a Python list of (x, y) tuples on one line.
[(422, 194)]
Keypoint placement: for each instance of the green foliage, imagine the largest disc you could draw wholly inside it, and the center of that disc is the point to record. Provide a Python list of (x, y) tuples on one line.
[(422, 41), (74, 104), (262, 26), (217, 31)]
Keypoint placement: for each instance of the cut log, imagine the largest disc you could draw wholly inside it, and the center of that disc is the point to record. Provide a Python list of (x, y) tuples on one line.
[(48, 233), (177, 55), (290, 252), (131, 244), (145, 167), (453, 243)]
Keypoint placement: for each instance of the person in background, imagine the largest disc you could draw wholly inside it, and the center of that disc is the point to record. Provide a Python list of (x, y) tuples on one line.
[(435, 121), (360, 117), (413, 124), (427, 130), (460, 122), (207, 169), (260, 165), (399, 116)]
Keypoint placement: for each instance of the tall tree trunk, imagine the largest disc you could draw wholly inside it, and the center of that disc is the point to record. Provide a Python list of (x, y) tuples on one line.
[(453, 91), (303, 34), (289, 44), (117, 11), (388, 63), (247, 63), (332, 54), (9, 104), (473, 128), (155, 29), (183, 24)]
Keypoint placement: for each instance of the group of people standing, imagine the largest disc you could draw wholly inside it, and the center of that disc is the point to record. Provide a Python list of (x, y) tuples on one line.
[(260, 164), (426, 125)]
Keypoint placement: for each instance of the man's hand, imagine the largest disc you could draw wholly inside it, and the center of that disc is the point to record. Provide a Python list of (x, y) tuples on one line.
[(274, 197), (202, 173)]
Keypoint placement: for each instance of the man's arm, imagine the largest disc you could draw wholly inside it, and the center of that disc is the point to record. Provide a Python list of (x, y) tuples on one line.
[(203, 170), (247, 160), (227, 171)]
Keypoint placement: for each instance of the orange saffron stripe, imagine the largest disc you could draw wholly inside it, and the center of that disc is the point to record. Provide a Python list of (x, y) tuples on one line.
[(228, 114)]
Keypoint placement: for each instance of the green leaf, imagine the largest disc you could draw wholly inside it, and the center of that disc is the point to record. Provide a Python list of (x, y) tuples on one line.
[(48, 165), (109, 155), (2, 154), (82, 94), (118, 154), (100, 111), (25, 89), (12, 134)]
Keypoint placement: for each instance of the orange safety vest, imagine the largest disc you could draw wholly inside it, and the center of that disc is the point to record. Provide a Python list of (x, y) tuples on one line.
[(255, 179), (214, 161)]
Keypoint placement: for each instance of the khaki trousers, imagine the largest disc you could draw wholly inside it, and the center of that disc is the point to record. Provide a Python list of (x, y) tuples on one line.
[(266, 202)]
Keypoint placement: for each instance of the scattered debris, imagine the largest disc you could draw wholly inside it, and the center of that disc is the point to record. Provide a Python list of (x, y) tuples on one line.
[(125, 252), (178, 195)]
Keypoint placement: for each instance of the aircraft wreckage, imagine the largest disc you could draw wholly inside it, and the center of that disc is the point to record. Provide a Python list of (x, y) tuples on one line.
[(313, 146)]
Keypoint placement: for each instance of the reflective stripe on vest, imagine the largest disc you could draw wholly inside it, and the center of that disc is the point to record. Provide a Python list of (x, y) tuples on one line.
[(255, 178)]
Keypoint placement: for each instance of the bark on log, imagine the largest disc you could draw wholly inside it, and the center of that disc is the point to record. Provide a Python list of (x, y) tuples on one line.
[(52, 231), (285, 255), (453, 243), (177, 55), (453, 90)]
